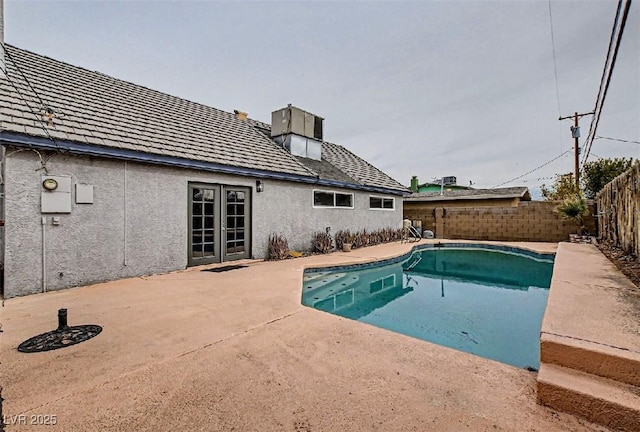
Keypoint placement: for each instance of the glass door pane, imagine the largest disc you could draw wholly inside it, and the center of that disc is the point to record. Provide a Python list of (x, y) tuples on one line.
[(236, 237), (203, 229)]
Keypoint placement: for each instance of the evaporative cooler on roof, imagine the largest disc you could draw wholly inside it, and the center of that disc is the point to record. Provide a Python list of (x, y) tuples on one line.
[(299, 131)]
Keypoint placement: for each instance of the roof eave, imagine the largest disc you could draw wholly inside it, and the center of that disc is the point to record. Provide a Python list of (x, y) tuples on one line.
[(41, 143)]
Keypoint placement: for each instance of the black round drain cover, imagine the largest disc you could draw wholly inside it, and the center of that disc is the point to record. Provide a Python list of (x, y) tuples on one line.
[(60, 338)]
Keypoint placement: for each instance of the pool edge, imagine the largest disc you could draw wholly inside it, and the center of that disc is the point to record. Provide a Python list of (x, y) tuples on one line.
[(432, 244)]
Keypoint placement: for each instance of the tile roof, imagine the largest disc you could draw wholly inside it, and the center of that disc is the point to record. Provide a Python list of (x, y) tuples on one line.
[(325, 170), (96, 109), (357, 168), (340, 164), (462, 194)]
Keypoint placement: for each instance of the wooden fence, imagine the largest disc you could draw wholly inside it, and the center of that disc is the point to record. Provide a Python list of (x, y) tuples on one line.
[(618, 206)]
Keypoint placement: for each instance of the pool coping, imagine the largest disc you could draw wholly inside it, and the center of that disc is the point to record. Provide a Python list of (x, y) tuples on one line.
[(435, 245), (590, 340), (586, 302)]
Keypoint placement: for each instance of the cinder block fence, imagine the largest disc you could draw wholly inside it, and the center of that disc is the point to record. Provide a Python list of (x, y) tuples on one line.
[(529, 221)]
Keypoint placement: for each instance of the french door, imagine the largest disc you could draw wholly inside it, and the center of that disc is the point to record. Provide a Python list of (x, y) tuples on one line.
[(219, 223)]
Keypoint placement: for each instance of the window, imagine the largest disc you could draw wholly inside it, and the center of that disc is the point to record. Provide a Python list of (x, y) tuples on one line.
[(382, 283), (336, 301), (332, 199), (380, 203)]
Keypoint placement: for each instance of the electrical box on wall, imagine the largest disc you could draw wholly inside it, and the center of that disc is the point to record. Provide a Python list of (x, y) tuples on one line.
[(84, 194), (55, 196)]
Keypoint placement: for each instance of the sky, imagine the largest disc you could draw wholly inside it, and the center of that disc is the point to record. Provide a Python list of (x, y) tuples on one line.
[(425, 88)]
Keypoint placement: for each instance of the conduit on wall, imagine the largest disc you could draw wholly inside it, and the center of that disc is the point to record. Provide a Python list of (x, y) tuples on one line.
[(125, 214), (44, 254)]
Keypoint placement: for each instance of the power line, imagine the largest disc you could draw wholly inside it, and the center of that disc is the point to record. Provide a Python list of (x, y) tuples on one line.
[(538, 179), (602, 80), (13, 84), (617, 139), (608, 73), (38, 119), (42, 104), (555, 65), (534, 170)]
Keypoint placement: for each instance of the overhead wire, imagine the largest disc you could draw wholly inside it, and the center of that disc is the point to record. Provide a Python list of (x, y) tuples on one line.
[(22, 97), (43, 106), (616, 139), (555, 64), (534, 170), (607, 72), (604, 68)]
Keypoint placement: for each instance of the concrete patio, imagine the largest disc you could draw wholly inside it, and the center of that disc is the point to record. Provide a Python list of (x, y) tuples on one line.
[(202, 351)]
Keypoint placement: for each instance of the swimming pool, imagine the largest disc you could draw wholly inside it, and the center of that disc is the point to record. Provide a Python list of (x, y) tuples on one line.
[(487, 300)]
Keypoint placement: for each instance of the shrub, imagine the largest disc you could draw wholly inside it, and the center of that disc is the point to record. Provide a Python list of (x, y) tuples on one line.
[(574, 209), (367, 238), (278, 247), (342, 237), (322, 242)]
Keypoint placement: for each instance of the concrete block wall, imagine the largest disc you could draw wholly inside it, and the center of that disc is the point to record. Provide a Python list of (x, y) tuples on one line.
[(426, 215), (529, 221)]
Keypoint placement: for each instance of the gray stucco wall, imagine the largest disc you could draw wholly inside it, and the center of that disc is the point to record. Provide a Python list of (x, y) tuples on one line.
[(287, 208), (90, 244)]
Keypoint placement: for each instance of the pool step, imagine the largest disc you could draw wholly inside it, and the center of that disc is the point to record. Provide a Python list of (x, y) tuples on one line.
[(595, 358), (600, 400)]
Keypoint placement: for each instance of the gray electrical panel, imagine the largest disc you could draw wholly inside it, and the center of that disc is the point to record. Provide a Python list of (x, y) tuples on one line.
[(57, 199)]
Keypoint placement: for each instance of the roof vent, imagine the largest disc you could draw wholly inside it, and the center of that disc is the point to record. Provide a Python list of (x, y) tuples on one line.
[(241, 115)]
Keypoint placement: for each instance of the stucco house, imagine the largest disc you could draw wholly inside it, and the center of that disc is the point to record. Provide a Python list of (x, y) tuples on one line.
[(105, 179)]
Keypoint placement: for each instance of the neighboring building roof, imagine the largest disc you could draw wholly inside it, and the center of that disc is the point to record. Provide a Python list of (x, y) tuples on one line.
[(95, 110), (472, 194), (428, 187)]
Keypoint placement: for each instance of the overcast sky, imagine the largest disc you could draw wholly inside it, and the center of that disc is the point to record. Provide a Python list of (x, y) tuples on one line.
[(421, 88)]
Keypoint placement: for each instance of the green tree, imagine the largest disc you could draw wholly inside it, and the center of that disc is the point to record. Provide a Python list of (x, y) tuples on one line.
[(563, 187), (600, 172)]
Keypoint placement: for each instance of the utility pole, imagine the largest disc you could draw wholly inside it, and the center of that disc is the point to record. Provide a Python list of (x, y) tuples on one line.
[(575, 134)]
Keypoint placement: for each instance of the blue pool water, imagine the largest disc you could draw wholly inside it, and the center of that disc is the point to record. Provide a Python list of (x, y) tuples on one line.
[(488, 302)]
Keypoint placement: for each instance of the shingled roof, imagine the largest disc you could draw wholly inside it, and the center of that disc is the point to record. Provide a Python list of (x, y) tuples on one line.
[(94, 109), (357, 168), (90, 107), (340, 164), (472, 194)]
